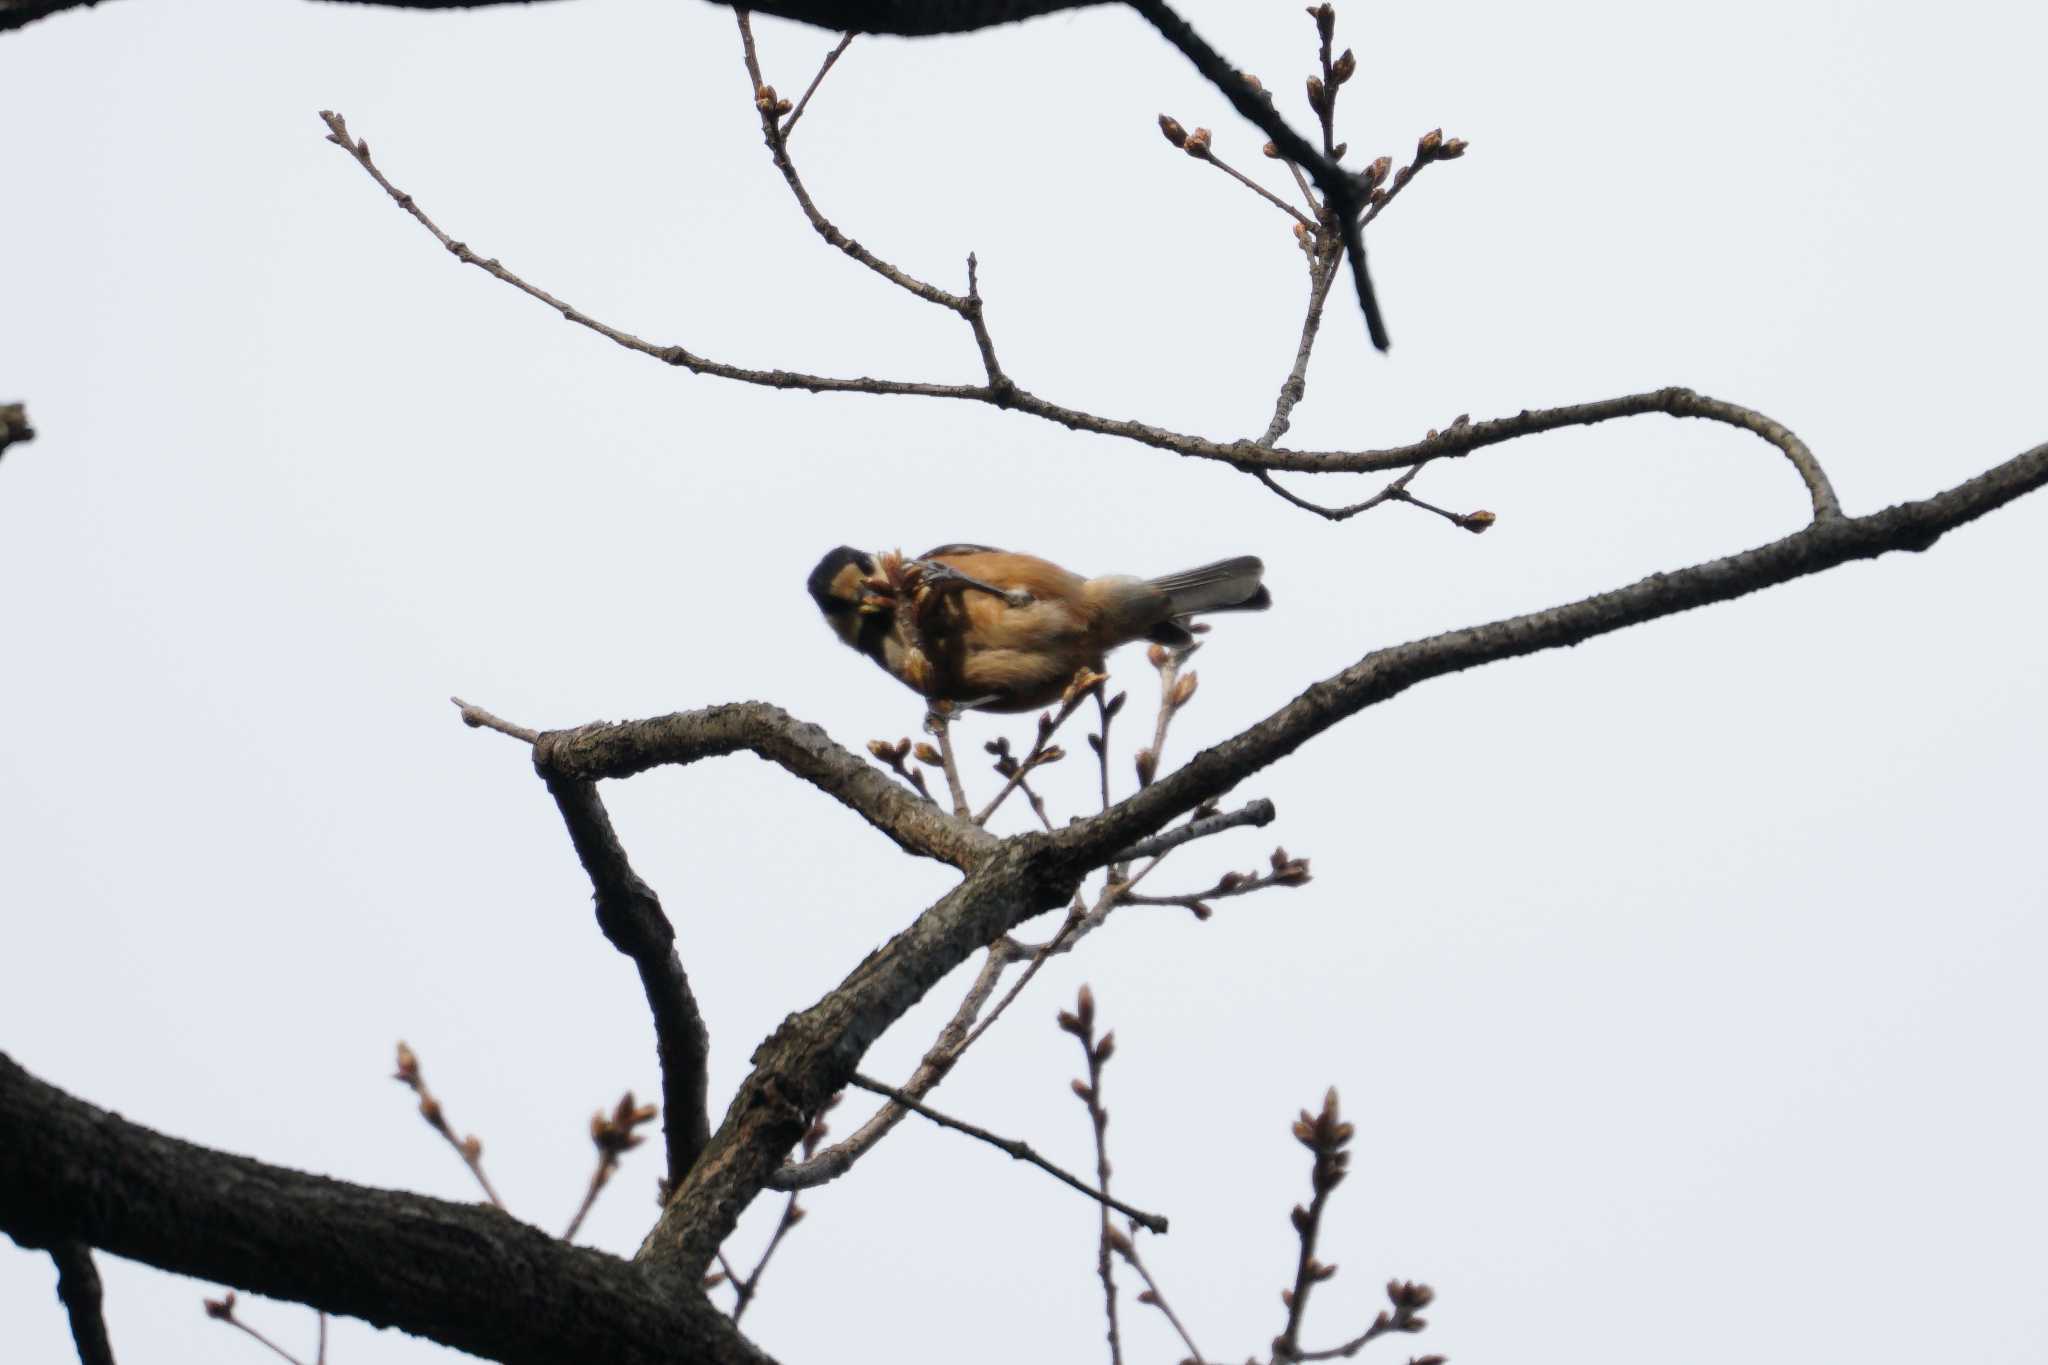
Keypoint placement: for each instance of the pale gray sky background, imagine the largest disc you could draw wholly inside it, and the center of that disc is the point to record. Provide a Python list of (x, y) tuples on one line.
[(1686, 986)]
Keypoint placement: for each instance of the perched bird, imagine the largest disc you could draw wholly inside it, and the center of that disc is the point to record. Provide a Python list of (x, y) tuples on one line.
[(1006, 632)]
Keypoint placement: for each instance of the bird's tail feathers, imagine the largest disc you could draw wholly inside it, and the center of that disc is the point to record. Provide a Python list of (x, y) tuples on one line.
[(1226, 585)]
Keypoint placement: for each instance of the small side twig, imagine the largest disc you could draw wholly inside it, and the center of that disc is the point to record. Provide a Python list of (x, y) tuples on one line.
[(803, 103), (1043, 750), (222, 1309), (938, 723), (1153, 1297), (470, 1149), (613, 1135), (479, 719), (1255, 813), (1019, 1151), (1285, 871), (1198, 145)]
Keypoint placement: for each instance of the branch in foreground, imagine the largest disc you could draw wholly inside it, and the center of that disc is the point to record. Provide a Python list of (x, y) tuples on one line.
[(459, 1274), (1020, 1151), (78, 1285)]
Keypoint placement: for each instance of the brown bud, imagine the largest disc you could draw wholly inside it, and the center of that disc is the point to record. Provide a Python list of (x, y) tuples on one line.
[(783, 107), (1325, 16), (1429, 145), (1294, 873), (1477, 522), (1157, 656), (1249, 79), (1053, 754), (928, 756), (1081, 1089), (1116, 703), (1230, 881), (408, 1064), (430, 1110), (1320, 1271), (1379, 170), (1344, 68), (221, 1309), (794, 1214), (1271, 150), (1106, 1048), (764, 98), (1201, 910), (1316, 93), (1184, 689), (1069, 1024), (1148, 766), (1198, 143), (1084, 1006), (1146, 1296), (1118, 1242), (881, 749), (1279, 859), (1299, 1217), (1175, 134), (472, 1148), (1452, 149), (1287, 1298)]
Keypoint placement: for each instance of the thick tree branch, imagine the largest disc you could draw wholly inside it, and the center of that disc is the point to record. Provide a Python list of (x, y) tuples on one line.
[(620, 750), (1385, 673), (631, 917), (78, 1285), (460, 1274)]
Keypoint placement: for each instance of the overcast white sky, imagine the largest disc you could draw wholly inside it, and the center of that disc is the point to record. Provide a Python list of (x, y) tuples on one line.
[(1686, 986)]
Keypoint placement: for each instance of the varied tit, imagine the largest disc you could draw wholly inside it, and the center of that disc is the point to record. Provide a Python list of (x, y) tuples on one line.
[(1006, 632)]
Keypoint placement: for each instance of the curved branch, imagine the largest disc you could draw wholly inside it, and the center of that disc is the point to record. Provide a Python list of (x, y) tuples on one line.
[(1249, 455), (622, 749), (460, 1274), (632, 920)]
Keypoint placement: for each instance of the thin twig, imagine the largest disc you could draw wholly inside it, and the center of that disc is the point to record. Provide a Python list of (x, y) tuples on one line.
[(1020, 1151), (1043, 750), (938, 723), (1259, 812), (789, 124), (222, 1309), (745, 1289), (1081, 1023), (470, 1149), (1153, 1296), (479, 719), (1204, 153), (1244, 454)]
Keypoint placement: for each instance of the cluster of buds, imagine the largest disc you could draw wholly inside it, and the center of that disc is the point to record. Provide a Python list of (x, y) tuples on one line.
[(1080, 1021), (891, 756), (1195, 144), (221, 1309), (1434, 146), (613, 1134), (1409, 1299), (1326, 1135), (766, 101)]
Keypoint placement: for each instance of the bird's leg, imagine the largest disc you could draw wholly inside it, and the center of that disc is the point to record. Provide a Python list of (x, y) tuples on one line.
[(937, 577)]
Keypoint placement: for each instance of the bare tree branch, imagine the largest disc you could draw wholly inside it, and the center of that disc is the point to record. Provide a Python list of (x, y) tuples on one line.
[(1019, 1151), (1451, 443), (632, 920), (459, 1274), (594, 752), (78, 1285)]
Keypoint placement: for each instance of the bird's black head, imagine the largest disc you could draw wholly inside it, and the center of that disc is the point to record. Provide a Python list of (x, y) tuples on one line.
[(836, 586)]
